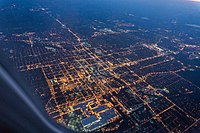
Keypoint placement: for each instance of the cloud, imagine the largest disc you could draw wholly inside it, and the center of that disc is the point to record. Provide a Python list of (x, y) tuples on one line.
[(193, 25)]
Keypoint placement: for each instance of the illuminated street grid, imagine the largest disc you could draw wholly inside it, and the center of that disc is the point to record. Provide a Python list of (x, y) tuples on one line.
[(86, 86)]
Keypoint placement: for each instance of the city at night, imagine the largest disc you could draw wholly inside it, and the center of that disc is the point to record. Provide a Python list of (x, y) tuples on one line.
[(105, 66)]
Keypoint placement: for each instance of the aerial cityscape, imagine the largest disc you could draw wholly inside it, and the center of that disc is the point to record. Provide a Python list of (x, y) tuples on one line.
[(99, 66)]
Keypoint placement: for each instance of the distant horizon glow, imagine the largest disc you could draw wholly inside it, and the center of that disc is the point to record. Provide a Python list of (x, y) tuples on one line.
[(194, 0)]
